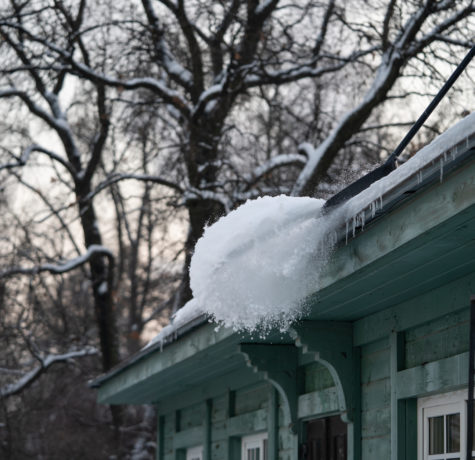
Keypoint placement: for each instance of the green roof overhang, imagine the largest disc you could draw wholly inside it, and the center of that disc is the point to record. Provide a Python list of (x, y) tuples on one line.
[(418, 245)]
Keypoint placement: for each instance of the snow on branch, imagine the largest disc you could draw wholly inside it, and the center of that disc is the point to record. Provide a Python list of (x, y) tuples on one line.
[(392, 60), (305, 70), (65, 267), (194, 193), (27, 379), (436, 32), (113, 179), (25, 156), (57, 121), (265, 8), (276, 162), (173, 68), (213, 92), (158, 87)]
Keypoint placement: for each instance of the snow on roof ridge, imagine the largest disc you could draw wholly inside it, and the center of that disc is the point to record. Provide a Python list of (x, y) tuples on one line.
[(185, 315)]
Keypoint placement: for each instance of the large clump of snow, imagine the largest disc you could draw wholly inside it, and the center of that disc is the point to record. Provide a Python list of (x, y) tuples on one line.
[(254, 266)]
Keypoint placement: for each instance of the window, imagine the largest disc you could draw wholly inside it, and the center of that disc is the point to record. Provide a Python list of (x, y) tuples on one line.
[(194, 453), (442, 428), (254, 447)]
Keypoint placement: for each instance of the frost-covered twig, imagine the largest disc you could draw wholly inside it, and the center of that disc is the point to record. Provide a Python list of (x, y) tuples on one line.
[(27, 379)]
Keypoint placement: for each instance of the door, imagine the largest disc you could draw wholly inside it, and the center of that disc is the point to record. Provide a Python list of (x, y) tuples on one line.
[(326, 439)]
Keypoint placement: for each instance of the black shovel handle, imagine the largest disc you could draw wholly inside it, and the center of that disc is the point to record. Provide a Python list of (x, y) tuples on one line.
[(390, 164)]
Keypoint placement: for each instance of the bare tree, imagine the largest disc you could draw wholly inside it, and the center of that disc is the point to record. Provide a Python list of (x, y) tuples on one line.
[(210, 63)]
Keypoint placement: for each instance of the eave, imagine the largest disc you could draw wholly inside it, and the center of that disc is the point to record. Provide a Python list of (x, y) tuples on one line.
[(421, 238)]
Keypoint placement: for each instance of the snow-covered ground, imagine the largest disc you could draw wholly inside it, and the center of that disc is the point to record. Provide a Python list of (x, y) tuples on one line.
[(254, 267)]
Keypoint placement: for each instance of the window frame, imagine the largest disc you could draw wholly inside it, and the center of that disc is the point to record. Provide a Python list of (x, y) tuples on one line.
[(251, 442), (438, 405), (194, 452)]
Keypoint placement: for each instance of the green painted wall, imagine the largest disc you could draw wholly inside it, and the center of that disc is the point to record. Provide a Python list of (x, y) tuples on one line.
[(415, 348), (246, 411), (440, 343), (437, 339), (375, 400), (251, 399)]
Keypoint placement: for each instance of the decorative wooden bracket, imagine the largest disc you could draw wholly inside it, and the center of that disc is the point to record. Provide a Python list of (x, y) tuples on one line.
[(278, 365), (331, 343)]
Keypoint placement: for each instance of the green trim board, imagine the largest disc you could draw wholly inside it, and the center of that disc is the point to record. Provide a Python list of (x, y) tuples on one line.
[(318, 403), (445, 299), (397, 348), (160, 437), (207, 430), (440, 376), (273, 424)]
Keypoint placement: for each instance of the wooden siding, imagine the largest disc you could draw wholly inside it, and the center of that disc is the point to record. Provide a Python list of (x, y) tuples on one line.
[(437, 339), (251, 399)]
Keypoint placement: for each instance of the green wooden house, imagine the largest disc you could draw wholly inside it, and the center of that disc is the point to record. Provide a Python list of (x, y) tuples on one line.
[(377, 369)]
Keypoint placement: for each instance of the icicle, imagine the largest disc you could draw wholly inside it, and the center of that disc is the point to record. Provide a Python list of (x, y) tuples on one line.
[(346, 232), (419, 177), (441, 168), (354, 226), (363, 220), (380, 201)]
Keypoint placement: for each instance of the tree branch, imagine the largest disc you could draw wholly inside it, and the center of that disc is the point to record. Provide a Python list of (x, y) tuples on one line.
[(57, 269), (24, 382), (37, 148)]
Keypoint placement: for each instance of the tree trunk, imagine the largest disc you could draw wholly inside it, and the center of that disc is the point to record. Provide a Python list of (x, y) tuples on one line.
[(102, 284)]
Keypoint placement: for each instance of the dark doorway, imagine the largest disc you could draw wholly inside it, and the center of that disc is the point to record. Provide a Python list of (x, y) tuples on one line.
[(326, 439)]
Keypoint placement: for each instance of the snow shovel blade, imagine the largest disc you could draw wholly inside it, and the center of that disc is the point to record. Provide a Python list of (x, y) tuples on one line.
[(361, 184)]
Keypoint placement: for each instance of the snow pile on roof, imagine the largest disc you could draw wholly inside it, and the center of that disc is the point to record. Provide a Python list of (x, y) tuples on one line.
[(190, 311), (253, 267)]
